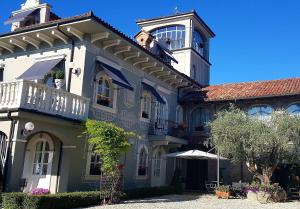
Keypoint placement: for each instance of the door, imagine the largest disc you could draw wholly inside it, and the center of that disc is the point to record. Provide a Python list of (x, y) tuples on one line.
[(196, 174), (41, 165), (158, 171)]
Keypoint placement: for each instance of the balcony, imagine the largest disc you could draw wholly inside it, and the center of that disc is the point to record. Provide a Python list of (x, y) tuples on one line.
[(38, 97)]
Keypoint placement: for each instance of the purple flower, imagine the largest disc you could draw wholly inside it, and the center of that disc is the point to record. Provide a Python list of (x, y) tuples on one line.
[(251, 190), (39, 191)]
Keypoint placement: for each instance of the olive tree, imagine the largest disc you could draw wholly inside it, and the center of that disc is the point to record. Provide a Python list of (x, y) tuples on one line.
[(262, 144)]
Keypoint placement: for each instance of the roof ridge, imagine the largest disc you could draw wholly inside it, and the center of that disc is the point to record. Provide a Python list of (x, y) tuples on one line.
[(253, 82)]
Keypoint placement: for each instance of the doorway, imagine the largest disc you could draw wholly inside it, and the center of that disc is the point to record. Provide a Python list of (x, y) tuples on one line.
[(196, 174)]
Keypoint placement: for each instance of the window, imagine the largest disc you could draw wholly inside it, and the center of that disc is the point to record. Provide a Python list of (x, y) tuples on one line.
[(194, 73), (162, 114), (262, 112), (157, 164), (146, 105), (1, 74), (41, 158), (173, 37), (104, 92), (198, 42), (179, 115), (143, 162), (93, 163), (294, 109), (199, 119), (3, 146)]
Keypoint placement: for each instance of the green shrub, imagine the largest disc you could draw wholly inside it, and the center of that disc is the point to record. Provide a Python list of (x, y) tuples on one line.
[(74, 199), (13, 200), (52, 201)]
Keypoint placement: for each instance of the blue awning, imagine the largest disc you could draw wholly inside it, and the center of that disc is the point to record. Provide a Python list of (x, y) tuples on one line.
[(39, 69), (20, 16), (116, 75), (153, 91)]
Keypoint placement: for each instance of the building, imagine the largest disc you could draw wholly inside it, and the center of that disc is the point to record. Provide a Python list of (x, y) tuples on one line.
[(55, 73)]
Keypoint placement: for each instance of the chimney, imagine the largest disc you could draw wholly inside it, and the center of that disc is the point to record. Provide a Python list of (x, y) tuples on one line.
[(144, 38)]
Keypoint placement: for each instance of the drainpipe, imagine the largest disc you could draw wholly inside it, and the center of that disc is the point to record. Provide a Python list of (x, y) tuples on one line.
[(59, 165), (71, 56), (8, 150)]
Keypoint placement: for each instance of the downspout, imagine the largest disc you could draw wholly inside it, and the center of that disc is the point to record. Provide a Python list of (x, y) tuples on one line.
[(8, 150), (59, 166), (71, 56)]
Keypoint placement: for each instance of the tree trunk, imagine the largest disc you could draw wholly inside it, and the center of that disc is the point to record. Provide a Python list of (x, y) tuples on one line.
[(267, 173)]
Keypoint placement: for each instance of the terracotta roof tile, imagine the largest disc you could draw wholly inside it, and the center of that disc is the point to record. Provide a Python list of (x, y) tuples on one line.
[(249, 90)]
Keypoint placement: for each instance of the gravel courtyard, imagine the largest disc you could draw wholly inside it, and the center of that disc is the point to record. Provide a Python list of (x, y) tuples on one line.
[(197, 202)]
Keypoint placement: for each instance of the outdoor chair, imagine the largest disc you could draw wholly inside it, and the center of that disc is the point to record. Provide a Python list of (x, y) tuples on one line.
[(237, 190)]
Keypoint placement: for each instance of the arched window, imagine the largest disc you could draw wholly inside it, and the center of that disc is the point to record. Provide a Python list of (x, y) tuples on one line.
[(262, 112), (171, 36), (179, 114), (162, 114), (143, 162), (294, 109), (146, 105), (93, 167), (41, 158), (104, 91), (199, 119), (3, 146), (198, 42), (157, 163)]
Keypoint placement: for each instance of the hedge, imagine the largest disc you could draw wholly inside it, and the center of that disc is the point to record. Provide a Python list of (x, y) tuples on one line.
[(52, 201), (74, 199)]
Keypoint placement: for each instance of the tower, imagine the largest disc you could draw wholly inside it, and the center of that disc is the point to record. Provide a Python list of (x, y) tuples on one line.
[(187, 36), (31, 12)]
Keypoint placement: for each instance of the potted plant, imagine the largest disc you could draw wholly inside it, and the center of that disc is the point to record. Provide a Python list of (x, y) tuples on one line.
[(104, 102), (182, 127), (59, 79), (223, 191), (251, 191)]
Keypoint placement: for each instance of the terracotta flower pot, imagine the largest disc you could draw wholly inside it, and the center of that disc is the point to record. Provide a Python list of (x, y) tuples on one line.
[(224, 195)]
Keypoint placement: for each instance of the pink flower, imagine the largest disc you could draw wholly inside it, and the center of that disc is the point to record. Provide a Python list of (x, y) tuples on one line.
[(39, 191)]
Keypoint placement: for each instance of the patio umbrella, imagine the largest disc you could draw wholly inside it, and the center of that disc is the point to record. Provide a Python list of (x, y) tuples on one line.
[(199, 155), (194, 154)]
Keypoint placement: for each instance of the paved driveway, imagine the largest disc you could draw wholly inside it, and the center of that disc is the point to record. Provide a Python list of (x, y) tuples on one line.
[(197, 202)]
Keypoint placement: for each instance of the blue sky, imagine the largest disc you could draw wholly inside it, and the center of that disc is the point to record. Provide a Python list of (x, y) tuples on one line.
[(255, 39)]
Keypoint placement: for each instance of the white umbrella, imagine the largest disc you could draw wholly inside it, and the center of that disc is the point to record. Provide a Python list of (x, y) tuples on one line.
[(194, 154), (199, 155)]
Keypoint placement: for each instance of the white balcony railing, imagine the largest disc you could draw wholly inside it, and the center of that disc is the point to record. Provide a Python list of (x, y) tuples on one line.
[(38, 97)]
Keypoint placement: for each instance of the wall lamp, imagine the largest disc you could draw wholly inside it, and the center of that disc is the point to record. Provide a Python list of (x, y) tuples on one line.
[(28, 128)]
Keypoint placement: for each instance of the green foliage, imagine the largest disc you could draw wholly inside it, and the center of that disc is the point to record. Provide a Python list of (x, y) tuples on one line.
[(53, 201), (223, 188), (110, 141), (74, 199), (263, 144), (60, 74), (13, 200)]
